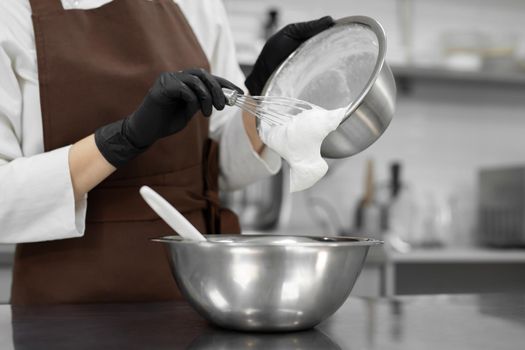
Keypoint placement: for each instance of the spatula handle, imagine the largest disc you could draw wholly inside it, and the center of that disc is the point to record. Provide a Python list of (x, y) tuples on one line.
[(170, 215)]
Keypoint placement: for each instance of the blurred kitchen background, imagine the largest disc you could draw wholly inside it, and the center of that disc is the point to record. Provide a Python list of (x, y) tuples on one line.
[(445, 185)]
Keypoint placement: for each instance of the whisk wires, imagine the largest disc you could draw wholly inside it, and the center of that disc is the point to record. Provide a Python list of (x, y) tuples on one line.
[(273, 110)]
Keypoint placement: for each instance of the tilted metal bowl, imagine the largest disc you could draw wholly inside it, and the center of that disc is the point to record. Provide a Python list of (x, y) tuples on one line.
[(267, 282), (343, 66)]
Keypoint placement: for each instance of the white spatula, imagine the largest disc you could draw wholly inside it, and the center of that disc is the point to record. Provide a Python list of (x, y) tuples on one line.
[(170, 215)]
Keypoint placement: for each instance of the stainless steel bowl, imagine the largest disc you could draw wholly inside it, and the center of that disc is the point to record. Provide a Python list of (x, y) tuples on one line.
[(267, 282), (343, 66)]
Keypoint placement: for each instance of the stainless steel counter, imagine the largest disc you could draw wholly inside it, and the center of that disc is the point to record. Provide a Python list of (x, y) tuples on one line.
[(490, 321)]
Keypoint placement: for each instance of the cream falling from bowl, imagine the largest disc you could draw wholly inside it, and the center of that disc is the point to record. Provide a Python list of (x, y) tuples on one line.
[(299, 143)]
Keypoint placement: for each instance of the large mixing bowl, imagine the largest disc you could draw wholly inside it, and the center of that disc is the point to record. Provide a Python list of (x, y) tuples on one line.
[(267, 282), (343, 66)]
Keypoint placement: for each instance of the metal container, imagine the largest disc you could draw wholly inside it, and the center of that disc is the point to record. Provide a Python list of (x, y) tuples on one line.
[(267, 282), (343, 66), (501, 211), (258, 205)]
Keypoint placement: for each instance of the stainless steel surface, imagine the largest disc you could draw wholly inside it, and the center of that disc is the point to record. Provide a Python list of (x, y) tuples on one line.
[(343, 66), (228, 340), (267, 283), (274, 110), (466, 322)]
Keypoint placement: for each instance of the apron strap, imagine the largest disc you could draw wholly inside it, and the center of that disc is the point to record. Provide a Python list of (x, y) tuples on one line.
[(42, 7)]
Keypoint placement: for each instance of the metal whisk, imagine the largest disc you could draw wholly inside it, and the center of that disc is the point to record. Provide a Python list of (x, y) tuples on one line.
[(273, 110)]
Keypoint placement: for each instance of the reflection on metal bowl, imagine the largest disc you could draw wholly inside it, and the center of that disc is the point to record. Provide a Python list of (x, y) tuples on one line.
[(267, 282), (216, 339)]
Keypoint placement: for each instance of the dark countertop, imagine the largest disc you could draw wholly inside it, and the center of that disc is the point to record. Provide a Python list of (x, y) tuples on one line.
[(491, 321)]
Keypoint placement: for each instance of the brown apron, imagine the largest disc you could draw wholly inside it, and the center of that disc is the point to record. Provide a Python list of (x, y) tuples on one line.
[(95, 66)]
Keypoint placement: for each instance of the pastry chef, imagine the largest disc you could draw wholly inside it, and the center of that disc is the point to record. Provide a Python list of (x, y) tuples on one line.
[(99, 97)]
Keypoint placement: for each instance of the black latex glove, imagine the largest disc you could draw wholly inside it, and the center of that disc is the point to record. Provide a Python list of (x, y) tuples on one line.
[(279, 47), (166, 109)]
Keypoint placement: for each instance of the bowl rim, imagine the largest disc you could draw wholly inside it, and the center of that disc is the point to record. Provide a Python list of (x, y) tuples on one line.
[(331, 241)]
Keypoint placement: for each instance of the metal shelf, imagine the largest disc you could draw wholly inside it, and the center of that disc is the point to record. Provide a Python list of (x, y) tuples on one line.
[(407, 73), (465, 255), (460, 255), (446, 270)]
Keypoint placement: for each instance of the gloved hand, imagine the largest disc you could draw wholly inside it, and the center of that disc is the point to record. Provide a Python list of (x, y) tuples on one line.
[(279, 47), (169, 105)]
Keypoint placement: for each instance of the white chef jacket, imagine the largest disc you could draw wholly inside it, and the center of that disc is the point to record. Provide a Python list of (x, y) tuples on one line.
[(36, 193)]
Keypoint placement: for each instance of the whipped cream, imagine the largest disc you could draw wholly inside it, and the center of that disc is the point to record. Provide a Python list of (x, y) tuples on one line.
[(299, 143)]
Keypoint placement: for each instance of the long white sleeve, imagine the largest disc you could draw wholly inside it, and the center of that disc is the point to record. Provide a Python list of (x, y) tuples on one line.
[(37, 201), (36, 194), (240, 165)]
